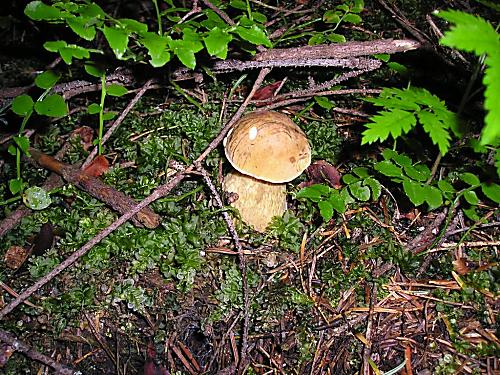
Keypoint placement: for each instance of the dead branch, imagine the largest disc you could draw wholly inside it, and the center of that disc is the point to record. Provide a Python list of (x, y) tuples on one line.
[(339, 51), (98, 189), (27, 350)]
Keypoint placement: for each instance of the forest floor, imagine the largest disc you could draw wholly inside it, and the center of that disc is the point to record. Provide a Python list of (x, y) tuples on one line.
[(381, 285)]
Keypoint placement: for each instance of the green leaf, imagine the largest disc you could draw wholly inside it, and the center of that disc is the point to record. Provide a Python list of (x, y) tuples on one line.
[(109, 115), (359, 191), (317, 38), (22, 105), (361, 172), (213, 20), (397, 67), (331, 16), (117, 40), (326, 210), (446, 187), (12, 150), (254, 35), (436, 129), (471, 213), (238, 4), (47, 79), (338, 200), (52, 105), (492, 191), (81, 27), (67, 51), (183, 51), (335, 38), (402, 160), (259, 17), (389, 169), (133, 25), (375, 187), (353, 18), (93, 108), (470, 178), (464, 35), (36, 198), (116, 90), (418, 172), (394, 123), (16, 185), (471, 197), (217, 42), (38, 11), (54, 46), (323, 102), (157, 49), (491, 131), (314, 192), (93, 69), (358, 6), (415, 192), (433, 197), (23, 143), (349, 179)]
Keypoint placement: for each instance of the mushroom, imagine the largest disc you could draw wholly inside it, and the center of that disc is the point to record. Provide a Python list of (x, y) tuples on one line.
[(268, 150)]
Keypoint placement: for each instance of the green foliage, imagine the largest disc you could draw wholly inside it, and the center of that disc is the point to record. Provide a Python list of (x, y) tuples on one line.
[(87, 19), (360, 186), (404, 109), (346, 12), (134, 296), (288, 230), (464, 35)]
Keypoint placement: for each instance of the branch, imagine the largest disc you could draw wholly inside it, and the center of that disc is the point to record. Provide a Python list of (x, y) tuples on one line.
[(24, 348)]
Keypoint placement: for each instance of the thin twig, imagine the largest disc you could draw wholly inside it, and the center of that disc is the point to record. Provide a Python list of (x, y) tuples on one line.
[(221, 13), (27, 350)]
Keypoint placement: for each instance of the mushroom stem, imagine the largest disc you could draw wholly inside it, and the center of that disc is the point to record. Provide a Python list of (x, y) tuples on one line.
[(258, 201)]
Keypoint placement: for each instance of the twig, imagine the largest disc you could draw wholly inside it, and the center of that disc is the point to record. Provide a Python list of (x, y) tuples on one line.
[(118, 121), (222, 14), (24, 348), (158, 193)]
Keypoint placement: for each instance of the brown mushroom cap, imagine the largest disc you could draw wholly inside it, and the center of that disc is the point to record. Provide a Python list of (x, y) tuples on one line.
[(269, 146)]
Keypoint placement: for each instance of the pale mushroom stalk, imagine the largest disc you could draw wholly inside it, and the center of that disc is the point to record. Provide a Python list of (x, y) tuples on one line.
[(268, 150)]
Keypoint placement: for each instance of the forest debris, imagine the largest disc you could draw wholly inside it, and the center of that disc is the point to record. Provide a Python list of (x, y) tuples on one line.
[(15, 256), (98, 189)]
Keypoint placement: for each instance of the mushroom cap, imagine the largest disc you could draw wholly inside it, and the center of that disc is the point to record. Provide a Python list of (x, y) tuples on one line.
[(269, 146)]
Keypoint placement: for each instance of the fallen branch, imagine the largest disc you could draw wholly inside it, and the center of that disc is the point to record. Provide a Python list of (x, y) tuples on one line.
[(98, 189), (24, 348)]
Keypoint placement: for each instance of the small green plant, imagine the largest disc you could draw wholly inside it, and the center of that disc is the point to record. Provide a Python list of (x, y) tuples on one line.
[(47, 104), (404, 109), (123, 35), (415, 178), (360, 186), (464, 36)]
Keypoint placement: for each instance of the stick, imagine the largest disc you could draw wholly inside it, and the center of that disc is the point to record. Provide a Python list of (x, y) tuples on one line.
[(24, 348)]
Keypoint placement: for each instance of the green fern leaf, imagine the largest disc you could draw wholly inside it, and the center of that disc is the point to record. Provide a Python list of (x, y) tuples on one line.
[(474, 34), (491, 130), (470, 33), (436, 129), (394, 123)]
